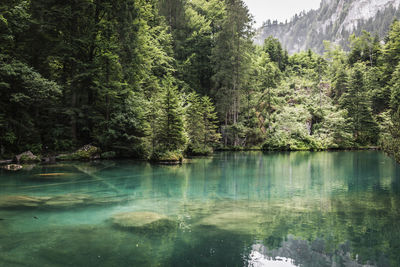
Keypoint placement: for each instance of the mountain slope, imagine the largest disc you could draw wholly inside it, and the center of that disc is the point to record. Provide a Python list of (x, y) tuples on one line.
[(335, 21)]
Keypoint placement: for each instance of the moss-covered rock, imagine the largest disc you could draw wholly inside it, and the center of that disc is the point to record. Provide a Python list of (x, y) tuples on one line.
[(143, 221), (26, 157), (87, 152)]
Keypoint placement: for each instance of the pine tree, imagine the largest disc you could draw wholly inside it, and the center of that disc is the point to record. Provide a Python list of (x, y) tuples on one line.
[(395, 90), (391, 50), (210, 120), (356, 102), (339, 83), (171, 133), (201, 125), (231, 65), (268, 77), (195, 126)]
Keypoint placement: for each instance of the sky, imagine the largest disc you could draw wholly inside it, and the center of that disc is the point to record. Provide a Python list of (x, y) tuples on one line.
[(280, 10)]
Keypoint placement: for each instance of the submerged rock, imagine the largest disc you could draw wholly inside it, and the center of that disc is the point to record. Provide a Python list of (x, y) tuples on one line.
[(12, 167), (26, 157), (143, 221), (20, 201), (69, 200), (59, 201), (237, 221)]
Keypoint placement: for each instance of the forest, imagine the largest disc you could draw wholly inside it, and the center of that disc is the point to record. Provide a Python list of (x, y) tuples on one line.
[(159, 79)]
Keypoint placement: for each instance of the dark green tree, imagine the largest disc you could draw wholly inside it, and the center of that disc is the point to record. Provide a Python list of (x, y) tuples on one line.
[(231, 65), (171, 132), (201, 125), (355, 100)]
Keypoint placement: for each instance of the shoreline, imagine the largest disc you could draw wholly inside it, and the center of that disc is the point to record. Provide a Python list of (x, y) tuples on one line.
[(5, 162)]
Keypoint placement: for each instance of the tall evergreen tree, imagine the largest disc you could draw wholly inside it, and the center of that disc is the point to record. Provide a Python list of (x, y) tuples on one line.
[(231, 64), (201, 125), (356, 102), (171, 133)]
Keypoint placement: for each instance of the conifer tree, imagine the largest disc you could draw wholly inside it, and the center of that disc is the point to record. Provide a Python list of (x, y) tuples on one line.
[(395, 92), (210, 120), (195, 126), (356, 101), (339, 84), (171, 133), (201, 125)]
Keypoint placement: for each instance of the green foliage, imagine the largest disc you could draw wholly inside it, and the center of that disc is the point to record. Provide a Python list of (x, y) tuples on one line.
[(170, 132), (364, 48), (155, 78), (27, 103), (291, 131), (167, 156), (201, 125), (391, 50), (356, 101), (395, 90), (273, 48)]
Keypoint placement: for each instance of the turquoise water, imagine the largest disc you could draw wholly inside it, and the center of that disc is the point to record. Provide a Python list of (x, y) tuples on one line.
[(232, 209)]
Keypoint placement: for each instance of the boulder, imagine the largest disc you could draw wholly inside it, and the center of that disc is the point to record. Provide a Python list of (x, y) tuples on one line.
[(26, 157), (12, 167), (143, 221)]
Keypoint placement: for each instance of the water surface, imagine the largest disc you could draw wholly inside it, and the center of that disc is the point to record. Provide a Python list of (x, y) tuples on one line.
[(232, 209)]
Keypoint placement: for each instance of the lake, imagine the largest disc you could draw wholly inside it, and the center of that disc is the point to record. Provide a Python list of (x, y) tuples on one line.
[(232, 209)]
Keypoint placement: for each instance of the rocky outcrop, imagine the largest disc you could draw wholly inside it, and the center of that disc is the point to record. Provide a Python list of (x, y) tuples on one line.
[(26, 157), (334, 21)]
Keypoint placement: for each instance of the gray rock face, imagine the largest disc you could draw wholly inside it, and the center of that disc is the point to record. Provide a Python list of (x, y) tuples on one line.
[(334, 21)]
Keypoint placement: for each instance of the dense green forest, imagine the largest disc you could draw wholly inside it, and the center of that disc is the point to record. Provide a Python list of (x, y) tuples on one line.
[(159, 78)]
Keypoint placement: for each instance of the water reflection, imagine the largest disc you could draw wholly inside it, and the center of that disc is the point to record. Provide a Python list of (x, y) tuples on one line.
[(256, 259), (233, 209), (297, 252)]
